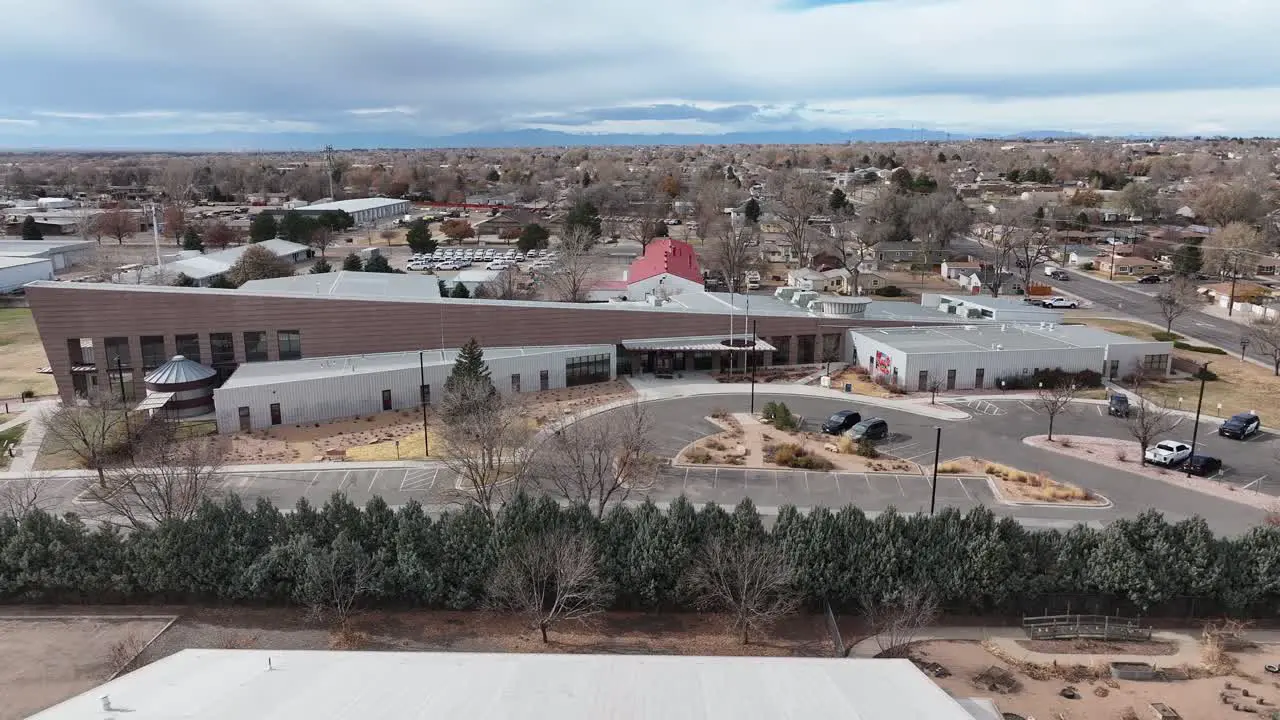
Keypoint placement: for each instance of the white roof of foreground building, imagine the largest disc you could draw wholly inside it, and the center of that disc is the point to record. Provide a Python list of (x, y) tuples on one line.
[(985, 337), (341, 685), (351, 285)]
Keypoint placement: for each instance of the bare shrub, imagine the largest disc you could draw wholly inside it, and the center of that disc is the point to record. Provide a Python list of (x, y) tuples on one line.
[(895, 623), (550, 578), (752, 582), (602, 460), (122, 652)]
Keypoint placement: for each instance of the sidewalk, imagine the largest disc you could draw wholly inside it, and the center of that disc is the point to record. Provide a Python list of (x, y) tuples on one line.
[(654, 390), (24, 455)]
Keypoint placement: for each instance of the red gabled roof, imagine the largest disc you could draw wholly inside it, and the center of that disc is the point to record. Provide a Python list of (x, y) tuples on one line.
[(665, 255)]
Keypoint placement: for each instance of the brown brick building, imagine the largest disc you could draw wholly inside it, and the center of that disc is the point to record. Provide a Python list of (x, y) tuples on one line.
[(88, 330)]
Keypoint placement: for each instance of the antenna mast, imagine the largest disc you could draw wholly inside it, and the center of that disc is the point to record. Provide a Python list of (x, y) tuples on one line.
[(328, 160)]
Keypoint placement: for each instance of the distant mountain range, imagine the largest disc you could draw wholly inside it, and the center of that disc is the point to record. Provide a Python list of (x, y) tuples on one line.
[(529, 137)]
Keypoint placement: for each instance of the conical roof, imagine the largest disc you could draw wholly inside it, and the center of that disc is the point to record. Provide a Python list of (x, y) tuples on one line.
[(179, 371)]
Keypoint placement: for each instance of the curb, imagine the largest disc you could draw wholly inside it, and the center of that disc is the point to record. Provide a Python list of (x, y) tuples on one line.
[(995, 490)]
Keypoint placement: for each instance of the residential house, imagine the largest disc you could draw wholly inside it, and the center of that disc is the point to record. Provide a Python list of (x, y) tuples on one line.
[(777, 251), (954, 269), (869, 282), (1267, 265), (1245, 292), (835, 280), (905, 254), (515, 219), (986, 277), (1083, 256), (1126, 265)]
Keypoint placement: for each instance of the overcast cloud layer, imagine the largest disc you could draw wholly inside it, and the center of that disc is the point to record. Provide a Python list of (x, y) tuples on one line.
[(86, 69)]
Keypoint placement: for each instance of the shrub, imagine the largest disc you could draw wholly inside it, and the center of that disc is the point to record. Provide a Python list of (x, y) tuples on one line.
[(888, 291), (1163, 336), (1050, 377), (811, 462), (950, 467), (780, 415), (786, 453), (1086, 266), (845, 443), (698, 456), (713, 444), (1122, 456), (28, 394), (867, 448), (1200, 349), (719, 413)]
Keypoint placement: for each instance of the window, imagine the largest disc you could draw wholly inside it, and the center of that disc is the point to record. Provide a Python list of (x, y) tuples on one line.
[(585, 369), (188, 346), (117, 348), (222, 348), (544, 379), (255, 346), (515, 382), (290, 342), (152, 351), (804, 356), (246, 423), (782, 354), (386, 399), (1156, 363)]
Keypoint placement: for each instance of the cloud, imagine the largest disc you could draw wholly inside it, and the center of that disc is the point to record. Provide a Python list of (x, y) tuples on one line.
[(332, 67)]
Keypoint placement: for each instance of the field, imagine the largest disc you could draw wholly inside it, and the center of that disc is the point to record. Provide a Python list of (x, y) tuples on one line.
[(1238, 387), (48, 660), (21, 354)]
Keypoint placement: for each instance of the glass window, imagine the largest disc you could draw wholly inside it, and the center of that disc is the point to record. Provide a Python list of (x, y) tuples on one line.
[(1157, 363), (585, 369), (804, 356), (152, 351), (782, 353), (117, 348), (188, 346), (222, 348), (290, 342), (255, 346)]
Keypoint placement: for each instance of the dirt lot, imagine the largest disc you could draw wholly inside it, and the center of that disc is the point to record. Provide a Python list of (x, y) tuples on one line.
[(1104, 699), (21, 354), (48, 661)]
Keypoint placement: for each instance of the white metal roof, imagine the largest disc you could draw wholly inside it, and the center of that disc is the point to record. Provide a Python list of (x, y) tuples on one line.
[(350, 284), (7, 261), (1008, 336), (341, 685), (354, 205)]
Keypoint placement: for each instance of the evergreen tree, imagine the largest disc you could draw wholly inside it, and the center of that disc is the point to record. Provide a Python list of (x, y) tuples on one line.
[(419, 237), (752, 211), (583, 215), (184, 280), (532, 237), (1188, 259), (191, 239), (493, 175), (30, 230), (469, 365), (322, 266), (263, 227), (837, 201), (942, 157), (459, 291), (377, 264), (353, 262)]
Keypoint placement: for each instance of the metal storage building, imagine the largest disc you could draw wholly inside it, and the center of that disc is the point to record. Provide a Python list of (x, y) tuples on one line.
[(290, 392), (362, 210), (17, 271), (62, 253), (964, 357)]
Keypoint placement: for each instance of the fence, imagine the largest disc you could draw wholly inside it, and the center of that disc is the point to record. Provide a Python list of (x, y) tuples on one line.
[(1100, 627)]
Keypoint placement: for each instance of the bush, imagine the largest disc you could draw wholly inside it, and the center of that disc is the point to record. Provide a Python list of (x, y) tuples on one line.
[(867, 448), (1086, 266), (1163, 336), (888, 291), (1198, 348), (1050, 377), (698, 456), (780, 415), (845, 443), (950, 467), (28, 394), (796, 456)]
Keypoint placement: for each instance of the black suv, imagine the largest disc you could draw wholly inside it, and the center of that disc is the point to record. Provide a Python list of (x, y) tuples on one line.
[(871, 429), (1202, 465), (1150, 280), (1240, 426), (1118, 405), (841, 421)]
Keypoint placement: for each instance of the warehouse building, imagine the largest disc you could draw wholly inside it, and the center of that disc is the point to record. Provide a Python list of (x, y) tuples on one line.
[(975, 357), (203, 268), (260, 395), (381, 685), (62, 253), (16, 272), (362, 210)]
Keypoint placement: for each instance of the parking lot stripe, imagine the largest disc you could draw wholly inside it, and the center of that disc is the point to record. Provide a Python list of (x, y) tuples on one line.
[(868, 479), (901, 489), (374, 479), (314, 478), (965, 489), (343, 484)]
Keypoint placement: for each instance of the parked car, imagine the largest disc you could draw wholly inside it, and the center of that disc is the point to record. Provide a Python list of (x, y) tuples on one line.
[(841, 421), (1118, 405), (1168, 453), (418, 265), (1059, 275), (449, 265), (871, 428), (1059, 302), (1150, 280), (1240, 426), (1202, 465)]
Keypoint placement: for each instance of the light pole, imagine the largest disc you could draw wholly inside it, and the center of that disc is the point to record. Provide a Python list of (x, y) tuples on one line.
[(933, 489), (753, 367), (1195, 429), (1244, 345), (422, 398), (128, 430)]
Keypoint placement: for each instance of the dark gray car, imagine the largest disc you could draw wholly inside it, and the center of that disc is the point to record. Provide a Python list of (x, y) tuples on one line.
[(871, 428)]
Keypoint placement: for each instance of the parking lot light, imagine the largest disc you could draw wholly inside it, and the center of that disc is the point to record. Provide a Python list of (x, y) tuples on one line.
[(1195, 429)]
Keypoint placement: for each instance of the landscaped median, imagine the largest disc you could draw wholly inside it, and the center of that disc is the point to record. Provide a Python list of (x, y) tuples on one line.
[(1019, 487), (1127, 455)]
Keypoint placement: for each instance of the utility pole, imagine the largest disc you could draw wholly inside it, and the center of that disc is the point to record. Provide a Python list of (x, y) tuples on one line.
[(422, 398), (329, 165), (753, 368), (933, 486), (1195, 429), (155, 234)]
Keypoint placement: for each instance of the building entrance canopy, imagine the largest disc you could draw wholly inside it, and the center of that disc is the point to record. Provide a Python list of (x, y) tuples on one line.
[(702, 343)]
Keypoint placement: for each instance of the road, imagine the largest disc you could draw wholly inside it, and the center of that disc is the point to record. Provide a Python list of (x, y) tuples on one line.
[(1137, 301)]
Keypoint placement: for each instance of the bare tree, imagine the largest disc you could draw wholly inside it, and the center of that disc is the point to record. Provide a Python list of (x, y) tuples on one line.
[(600, 461), (649, 219), (799, 196), (1139, 199), (855, 247), (508, 285), (1146, 422), (1223, 205), (95, 432), (1265, 333), (1054, 399), (1175, 300), (322, 238), (1234, 250), (731, 250), (118, 223), (388, 235), (485, 441), (895, 624), (165, 479), (937, 218), (753, 582), (328, 580), (19, 497), (576, 268), (550, 578)]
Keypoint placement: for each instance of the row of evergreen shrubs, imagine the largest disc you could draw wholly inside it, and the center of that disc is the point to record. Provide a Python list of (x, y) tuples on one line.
[(232, 554), (1051, 377)]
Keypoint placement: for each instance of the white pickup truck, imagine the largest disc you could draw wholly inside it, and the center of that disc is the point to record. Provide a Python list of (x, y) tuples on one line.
[(1058, 301), (1168, 453)]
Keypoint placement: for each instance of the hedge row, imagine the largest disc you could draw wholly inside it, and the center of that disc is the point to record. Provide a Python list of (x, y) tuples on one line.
[(228, 553)]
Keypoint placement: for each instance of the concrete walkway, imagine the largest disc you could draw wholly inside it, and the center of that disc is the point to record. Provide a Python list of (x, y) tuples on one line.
[(649, 390), (24, 455)]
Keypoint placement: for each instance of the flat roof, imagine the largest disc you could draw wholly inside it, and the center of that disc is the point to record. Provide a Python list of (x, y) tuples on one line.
[(373, 685), (7, 261), (264, 373), (41, 246), (1010, 336), (354, 205), (996, 303), (350, 284)]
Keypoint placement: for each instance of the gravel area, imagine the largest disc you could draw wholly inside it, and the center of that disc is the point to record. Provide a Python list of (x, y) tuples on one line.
[(1100, 647)]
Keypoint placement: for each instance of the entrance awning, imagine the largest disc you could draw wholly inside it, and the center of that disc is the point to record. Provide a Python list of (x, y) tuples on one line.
[(706, 343), (154, 401)]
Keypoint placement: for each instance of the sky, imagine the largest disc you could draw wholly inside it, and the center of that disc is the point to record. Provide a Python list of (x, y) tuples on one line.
[(166, 73)]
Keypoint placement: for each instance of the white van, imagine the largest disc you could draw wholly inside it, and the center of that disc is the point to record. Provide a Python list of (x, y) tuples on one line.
[(753, 279)]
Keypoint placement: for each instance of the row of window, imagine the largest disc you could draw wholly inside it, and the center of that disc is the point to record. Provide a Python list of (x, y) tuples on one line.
[(586, 369), (222, 347)]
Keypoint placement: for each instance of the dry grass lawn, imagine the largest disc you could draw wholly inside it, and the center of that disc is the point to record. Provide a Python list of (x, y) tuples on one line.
[(1239, 387), (21, 354)]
